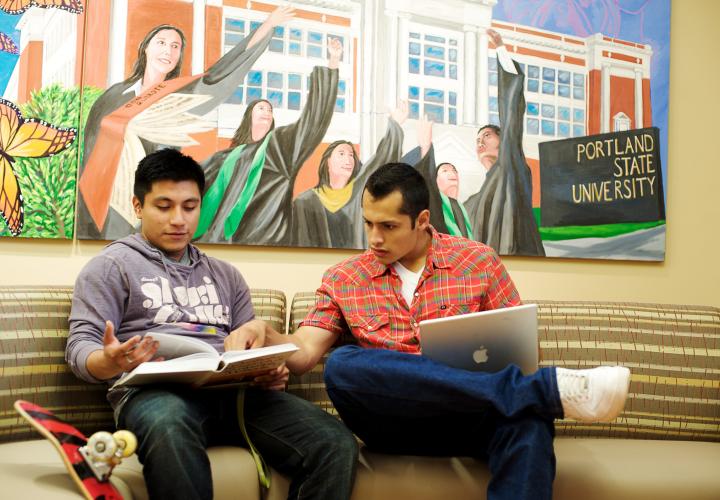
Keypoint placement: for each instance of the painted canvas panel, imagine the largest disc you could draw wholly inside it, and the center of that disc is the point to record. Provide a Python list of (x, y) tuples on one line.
[(290, 110), (39, 116), (227, 55)]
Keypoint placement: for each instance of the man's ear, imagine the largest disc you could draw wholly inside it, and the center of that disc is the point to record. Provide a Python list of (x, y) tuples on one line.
[(423, 219), (137, 206)]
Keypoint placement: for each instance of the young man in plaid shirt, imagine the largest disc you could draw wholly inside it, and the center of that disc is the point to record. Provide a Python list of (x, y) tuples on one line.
[(390, 395)]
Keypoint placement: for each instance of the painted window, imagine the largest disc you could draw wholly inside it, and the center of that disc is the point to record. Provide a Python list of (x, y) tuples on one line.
[(304, 46), (433, 55), (439, 105)]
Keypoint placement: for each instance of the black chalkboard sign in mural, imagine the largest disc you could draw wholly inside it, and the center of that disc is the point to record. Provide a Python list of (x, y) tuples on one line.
[(602, 179)]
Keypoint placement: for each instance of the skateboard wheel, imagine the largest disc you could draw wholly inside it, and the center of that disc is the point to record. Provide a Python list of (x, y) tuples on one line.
[(101, 446), (126, 442)]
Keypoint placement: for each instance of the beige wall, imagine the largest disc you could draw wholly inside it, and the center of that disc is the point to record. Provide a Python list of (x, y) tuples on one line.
[(689, 275)]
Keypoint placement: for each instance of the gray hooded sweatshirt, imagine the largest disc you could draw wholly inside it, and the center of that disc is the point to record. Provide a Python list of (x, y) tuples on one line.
[(134, 285)]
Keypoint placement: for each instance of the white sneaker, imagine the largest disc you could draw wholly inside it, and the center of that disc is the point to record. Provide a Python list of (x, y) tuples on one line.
[(596, 395)]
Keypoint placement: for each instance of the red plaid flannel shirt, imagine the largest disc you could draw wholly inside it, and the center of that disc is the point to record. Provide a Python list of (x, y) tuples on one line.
[(364, 297)]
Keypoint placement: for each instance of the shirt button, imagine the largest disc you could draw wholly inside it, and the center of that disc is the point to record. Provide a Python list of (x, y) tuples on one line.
[(417, 294)]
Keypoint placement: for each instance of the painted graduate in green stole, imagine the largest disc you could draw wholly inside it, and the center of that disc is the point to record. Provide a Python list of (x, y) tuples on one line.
[(248, 198), (447, 214)]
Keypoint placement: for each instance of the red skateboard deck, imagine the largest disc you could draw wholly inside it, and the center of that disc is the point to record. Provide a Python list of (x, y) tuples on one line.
[(67, 440)]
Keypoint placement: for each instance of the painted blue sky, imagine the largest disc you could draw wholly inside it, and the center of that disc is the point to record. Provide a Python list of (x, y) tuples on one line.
[(8, 61), (641, 21)]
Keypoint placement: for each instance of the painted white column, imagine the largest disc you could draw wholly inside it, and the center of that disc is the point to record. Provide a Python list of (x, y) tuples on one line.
[(392, 69), (483, 87), (116, 49), (638, 98), (402, 58), (366, 61), (605, 99), (470, 84), (198, 37)]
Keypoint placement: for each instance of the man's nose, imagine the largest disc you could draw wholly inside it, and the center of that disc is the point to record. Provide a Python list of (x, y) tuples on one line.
[(176, 217)]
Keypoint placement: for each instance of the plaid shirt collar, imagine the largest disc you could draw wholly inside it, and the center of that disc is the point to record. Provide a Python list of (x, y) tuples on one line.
[(437, 258)]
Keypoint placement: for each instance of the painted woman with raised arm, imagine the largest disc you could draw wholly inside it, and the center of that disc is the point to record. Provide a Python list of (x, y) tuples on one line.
[(329, 215), (153, 108), (250, 185)]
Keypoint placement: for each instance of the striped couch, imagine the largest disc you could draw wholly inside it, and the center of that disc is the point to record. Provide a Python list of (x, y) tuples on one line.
[(665, 445), (33, 334)]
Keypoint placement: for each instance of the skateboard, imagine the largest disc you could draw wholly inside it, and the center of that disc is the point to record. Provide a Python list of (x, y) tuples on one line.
[(89, 461)]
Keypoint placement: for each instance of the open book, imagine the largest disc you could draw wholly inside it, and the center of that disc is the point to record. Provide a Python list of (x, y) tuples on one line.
[(191, 361)]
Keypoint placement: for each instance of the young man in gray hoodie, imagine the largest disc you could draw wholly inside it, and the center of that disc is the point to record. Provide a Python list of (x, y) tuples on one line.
[(157, 281)]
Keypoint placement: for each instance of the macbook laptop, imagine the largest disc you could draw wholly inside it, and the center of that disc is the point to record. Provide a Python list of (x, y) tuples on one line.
[(484, 341)]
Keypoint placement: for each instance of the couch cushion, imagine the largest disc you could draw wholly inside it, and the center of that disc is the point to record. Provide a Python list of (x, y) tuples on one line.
[(592, 469), (33, 469), (33, 334), (672, 351)]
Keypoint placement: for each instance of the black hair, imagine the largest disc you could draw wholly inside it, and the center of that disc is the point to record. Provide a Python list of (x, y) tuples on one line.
[(166, 165), (141, 62), (243, 134), (324, 169), (437, 169), (494, 128), (407, 181)]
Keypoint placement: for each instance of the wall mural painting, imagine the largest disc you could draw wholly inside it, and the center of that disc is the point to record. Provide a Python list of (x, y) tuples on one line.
[(540, 125), (39, 117)]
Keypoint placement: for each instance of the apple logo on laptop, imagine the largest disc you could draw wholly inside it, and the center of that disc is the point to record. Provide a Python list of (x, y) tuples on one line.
[(480, 355)]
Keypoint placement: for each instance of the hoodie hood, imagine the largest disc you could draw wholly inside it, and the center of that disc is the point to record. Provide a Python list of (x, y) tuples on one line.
[(142, 246)]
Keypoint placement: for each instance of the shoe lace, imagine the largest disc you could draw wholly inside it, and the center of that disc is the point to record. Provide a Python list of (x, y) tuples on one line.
[(575, 386)]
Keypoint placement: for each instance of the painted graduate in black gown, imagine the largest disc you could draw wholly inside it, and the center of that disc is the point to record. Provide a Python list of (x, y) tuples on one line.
[(330, 214), (501, 212), (447, 214), (249, 186)]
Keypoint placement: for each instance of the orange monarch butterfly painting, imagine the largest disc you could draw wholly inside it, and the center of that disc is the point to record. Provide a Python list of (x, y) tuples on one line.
[(7, 45), (20, 6), (29, 138)]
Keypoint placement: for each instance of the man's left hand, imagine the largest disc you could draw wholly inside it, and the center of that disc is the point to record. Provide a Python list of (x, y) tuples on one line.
[(274, 380), (247, 336), (335, 50)]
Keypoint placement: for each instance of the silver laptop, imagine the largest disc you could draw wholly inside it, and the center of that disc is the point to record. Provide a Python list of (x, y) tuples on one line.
[(484, 341)]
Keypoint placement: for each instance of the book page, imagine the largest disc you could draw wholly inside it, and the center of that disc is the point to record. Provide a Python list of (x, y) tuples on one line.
[(186, 370), (229, 357), (238, 365), (175, 346)]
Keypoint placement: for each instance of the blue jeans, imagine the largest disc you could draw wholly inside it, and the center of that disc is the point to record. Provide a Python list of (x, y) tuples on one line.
[(174, 426), (408, 404)]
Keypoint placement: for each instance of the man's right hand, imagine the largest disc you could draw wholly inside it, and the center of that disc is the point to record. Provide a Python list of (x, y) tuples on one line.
[(400, 113), (495, 37), (281, 15), (424, 135), (335, 51), (116, 358)]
